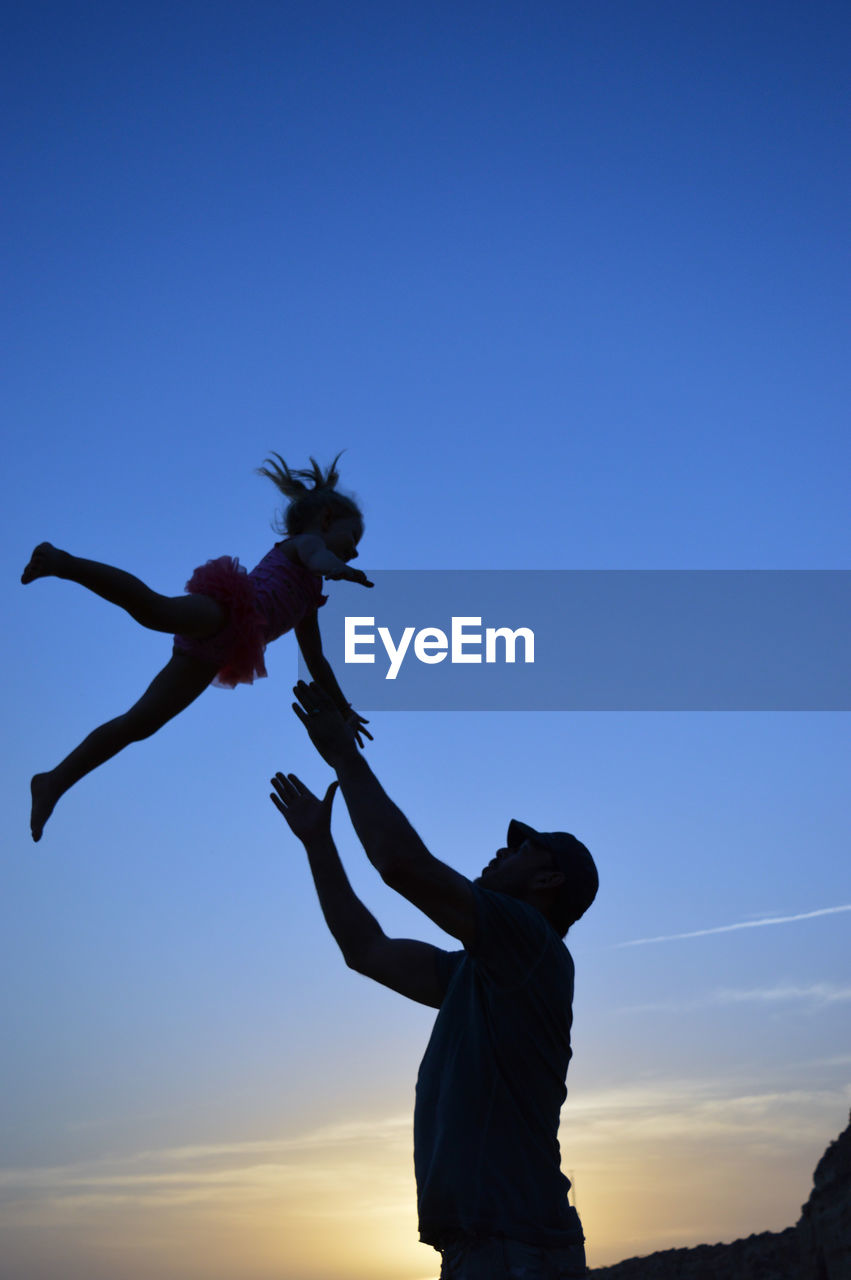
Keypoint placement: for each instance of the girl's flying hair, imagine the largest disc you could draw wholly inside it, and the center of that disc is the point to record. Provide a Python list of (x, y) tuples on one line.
[(306, 499)]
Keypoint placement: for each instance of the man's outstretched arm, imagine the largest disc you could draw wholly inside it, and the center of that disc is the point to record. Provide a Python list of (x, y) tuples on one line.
[(391, 843), (406, 966)]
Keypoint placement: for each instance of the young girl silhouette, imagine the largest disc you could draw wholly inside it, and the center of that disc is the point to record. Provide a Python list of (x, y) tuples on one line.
[(225, 622)]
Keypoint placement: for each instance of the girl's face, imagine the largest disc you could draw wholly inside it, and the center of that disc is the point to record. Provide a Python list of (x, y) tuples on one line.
[(343, 535)]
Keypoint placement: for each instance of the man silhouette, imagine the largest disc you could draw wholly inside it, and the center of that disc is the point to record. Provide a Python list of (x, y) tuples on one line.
[(490, 1193)]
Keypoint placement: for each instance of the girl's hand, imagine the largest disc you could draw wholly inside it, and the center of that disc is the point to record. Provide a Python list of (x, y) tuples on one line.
[(308, 817), (356, 724), (351, 575)]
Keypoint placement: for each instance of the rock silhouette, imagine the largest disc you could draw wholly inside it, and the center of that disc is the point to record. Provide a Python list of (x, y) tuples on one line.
[(818, 1247)]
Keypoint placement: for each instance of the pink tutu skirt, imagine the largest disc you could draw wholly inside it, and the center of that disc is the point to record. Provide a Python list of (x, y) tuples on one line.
[(238, 648)]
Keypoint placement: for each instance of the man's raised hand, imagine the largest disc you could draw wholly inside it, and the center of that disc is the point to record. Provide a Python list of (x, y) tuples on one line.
[(329, 732), (309, 818)]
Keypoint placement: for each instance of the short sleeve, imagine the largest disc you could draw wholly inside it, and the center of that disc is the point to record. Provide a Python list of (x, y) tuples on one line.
[(448, 963), (511, 938)]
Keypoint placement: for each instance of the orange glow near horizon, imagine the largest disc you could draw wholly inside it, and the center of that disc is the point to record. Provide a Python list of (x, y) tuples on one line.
[(654, 1168)]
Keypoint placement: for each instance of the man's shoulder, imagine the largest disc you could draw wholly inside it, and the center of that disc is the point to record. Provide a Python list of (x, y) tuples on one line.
[(448, 963), (513, 939), (514, 913)]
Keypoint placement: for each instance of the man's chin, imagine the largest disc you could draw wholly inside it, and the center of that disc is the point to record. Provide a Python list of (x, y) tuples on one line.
[(486, 878)]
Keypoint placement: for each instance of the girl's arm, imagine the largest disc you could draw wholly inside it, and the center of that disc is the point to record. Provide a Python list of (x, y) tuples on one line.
[(315, 556), (310, 642)]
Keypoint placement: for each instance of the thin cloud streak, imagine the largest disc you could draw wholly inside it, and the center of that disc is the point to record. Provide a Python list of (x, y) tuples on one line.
[(732, 928), (818, 995), (214, 1161)]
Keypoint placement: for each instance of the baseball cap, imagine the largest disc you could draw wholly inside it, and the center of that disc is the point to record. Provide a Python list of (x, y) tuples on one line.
[(571, 856)]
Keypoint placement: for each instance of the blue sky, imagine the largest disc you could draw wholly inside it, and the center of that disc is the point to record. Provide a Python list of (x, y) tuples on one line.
[(569, 283)]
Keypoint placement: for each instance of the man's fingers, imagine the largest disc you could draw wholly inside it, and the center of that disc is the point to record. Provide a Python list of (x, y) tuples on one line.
[(329, 794), (302, 693), (286, 798), (305, 705), (278, 804), (290, 788), (311, 696)]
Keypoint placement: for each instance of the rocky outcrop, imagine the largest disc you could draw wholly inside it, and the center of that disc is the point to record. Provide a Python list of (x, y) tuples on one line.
[(818, 1247), (825, 1223)]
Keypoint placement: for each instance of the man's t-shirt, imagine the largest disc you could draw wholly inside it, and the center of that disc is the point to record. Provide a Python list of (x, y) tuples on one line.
[(491, 1084)]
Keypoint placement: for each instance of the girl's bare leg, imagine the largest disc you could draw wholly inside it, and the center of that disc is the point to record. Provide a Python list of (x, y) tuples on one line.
[(179, 683), (197, 616)]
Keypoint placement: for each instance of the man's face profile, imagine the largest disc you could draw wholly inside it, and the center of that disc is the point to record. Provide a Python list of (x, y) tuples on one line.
[(513, 871)]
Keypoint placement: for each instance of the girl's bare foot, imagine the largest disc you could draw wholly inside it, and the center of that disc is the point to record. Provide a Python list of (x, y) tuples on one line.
[(44, 798), (46, 561)]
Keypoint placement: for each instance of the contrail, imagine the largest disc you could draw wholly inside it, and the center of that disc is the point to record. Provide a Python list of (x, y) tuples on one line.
[(730, 928)]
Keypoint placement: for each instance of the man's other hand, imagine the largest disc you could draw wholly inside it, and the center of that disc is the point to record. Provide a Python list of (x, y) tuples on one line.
[(309, 818)]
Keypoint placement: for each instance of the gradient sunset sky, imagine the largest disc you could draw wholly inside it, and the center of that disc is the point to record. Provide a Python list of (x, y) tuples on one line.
[(569, 283)]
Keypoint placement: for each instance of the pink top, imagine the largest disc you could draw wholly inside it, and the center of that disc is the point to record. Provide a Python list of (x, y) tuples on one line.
[(285, 592), (261, 605)]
